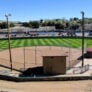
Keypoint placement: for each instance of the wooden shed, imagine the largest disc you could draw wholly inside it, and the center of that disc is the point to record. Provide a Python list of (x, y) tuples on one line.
[(54, 64)]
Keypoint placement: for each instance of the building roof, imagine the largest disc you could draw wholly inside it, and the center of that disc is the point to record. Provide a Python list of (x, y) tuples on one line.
[(63, 55)]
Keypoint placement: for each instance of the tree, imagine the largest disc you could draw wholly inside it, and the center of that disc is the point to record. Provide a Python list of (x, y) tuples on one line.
[(25, 24), (57, 20), (67, 25), (59, 26), (41, 21), (3, 25), (35, 24), (12, 25), (50, 23), (75, 19), (74, 27), (45, 23)]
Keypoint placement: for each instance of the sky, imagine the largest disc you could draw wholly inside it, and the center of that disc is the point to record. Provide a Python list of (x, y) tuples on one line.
[(26, 10)]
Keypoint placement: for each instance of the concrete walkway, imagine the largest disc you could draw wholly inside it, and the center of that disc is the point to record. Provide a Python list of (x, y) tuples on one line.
[(86, 62)]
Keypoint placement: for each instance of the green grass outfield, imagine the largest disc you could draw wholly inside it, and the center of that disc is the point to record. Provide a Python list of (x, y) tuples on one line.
[(66, 42)]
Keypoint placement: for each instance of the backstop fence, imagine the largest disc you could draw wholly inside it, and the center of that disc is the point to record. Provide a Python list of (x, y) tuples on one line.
[(26, 57)]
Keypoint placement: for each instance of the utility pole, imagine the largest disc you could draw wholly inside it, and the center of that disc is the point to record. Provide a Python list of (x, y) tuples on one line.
[(9, 46), (82, 38)]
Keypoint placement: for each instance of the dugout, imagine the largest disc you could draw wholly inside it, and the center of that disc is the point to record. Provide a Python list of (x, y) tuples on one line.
[(54, 64)]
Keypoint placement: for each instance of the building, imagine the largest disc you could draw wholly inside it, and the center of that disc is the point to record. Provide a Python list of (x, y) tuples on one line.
[(54, 64)]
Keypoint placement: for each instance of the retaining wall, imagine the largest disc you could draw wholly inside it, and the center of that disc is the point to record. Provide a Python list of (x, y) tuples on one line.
[(50, 78)]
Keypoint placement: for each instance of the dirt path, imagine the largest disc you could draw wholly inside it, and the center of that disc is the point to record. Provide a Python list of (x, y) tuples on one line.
[(59, 86)]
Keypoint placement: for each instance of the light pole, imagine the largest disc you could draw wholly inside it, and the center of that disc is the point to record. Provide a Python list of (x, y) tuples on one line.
[(82, 38), (9, 46)]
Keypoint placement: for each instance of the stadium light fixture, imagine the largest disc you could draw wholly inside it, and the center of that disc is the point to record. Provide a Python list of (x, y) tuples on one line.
[(9, 46), (82, 37)]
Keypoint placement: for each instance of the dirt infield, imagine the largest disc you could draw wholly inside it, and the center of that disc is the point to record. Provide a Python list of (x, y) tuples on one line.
[(32, 56)]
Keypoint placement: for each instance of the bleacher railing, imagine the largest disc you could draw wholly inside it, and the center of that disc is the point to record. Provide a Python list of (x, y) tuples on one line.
[(79, 70)]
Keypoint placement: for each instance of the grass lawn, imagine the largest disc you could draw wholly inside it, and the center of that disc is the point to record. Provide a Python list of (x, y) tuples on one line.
[(66, 42)]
